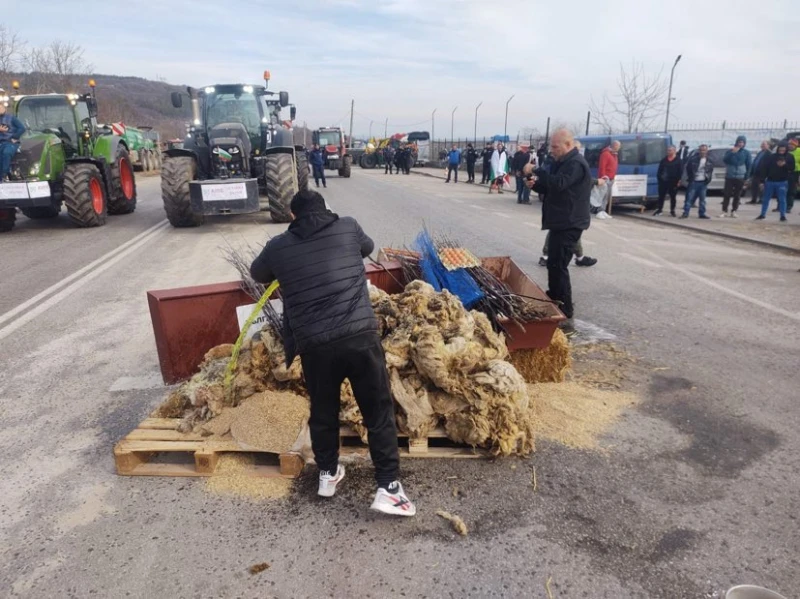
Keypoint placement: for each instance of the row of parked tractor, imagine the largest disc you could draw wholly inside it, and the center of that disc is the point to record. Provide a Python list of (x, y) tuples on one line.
[(238, 157)]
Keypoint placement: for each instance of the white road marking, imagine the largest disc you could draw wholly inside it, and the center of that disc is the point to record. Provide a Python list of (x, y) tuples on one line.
[(535, 225), (39, 296), (116, 256), (641, 260), (732, 292), (136, 383), (456, 201), (477, 207), (503, 214)]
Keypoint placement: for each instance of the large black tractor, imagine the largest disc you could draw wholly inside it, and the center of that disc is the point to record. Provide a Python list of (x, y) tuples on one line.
[(238, 156)]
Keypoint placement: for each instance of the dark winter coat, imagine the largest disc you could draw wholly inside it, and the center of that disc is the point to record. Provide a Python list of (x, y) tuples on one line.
[(760, 164), (487, 156), (566, 190), (779, 167), (319, 263), (670, 171), (316, 157), (694, 164), (472, 156), (520, 160)]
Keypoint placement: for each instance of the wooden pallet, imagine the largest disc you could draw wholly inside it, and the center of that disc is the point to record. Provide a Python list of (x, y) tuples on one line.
[(133, 454), (437, 445)]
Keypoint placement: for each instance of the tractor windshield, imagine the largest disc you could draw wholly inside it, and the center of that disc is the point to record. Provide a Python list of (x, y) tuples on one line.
[(236, 107), (329, 138), (48, 114)]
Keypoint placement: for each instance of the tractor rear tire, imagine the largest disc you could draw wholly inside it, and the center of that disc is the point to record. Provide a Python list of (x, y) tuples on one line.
[(302, 171), (8, 217), (280, 185), (175, 178), (85, 195), (369, 160), (123, 184), (41, 212), (345, 170)]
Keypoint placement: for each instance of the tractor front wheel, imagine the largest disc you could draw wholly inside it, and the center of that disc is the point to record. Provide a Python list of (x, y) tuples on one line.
[(278, 169), (175, 177), (302, 171), (345, 170), (41, 212), (84, 195), (123, 184), (369, 160), (8, 217)]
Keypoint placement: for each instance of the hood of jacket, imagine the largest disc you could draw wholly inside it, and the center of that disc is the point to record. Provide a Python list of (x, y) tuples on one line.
[(311, 223), (743, 139)]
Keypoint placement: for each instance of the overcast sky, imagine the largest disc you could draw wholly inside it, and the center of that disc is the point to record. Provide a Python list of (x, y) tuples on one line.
[(402, 59)]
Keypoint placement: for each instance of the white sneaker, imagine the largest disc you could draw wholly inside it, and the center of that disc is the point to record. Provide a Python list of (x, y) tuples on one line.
[(393, 501), (724, 215), (734, 215), (328, 482)]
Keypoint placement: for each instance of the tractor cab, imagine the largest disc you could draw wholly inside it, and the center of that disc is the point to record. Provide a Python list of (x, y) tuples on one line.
[(331, 139), (70, 117), (328, 138)]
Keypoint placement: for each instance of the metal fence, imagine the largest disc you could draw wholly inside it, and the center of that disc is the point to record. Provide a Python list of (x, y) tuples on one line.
[(440, 147)]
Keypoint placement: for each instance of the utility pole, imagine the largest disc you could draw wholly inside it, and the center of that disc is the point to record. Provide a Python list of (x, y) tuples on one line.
[(505, 127), (352, 109), (669, 93), (386, 128), (588, 118), (304, 133), (452, 120), (370, 129), (547, 133), (475, 133)]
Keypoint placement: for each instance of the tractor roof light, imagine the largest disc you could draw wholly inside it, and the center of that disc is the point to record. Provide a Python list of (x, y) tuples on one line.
[(266, 75), (15, 84), (92, 83), (210, 89), (197, 121), (248, 89)]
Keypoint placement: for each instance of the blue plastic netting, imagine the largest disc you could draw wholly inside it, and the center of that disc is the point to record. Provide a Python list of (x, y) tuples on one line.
[(458, 282)]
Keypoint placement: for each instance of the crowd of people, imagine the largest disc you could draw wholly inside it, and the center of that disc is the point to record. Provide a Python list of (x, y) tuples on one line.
[(398, 160), (769, 174)]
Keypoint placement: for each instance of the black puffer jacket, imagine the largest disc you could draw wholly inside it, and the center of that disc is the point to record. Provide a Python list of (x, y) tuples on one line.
[(319, 263), (566, 188)]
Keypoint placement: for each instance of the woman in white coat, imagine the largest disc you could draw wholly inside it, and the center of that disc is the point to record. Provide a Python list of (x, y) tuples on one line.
[(499, 168)]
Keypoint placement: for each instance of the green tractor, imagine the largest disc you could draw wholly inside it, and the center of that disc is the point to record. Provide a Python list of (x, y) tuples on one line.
[(238, 157), (64, 158)]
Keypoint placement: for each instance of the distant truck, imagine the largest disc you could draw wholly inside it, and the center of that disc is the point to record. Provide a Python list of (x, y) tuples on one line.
[(143, 145)]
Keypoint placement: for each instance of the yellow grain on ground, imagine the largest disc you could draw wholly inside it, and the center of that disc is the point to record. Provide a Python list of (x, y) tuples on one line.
[(270, 420), (234, 477), (547, 365), (574, 414)]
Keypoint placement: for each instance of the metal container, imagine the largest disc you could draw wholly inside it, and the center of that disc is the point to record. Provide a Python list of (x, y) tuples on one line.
[(748, 591)]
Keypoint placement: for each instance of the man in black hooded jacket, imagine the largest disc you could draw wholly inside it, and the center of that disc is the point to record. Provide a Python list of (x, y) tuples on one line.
[(329, 322)]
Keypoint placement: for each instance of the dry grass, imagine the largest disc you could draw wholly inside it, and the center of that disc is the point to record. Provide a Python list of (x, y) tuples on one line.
[(234, 477), (548, 365), (575, 414)]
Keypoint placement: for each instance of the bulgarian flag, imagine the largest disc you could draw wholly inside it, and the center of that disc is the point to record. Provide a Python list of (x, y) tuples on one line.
[(223, 155), (500, 166)]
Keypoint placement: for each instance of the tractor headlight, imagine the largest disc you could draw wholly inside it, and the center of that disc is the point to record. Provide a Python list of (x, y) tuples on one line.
[(248, 89), (210, 90), (34, 170), (234, 150), (197, 121)]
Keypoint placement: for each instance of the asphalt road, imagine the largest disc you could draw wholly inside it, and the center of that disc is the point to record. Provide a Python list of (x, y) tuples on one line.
[(696, 490)]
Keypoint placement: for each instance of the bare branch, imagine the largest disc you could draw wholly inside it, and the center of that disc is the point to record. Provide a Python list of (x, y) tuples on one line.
[(640, 99), (11, 47)]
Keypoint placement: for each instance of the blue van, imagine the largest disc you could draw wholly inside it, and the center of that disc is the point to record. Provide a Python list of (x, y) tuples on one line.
[(640, 154)]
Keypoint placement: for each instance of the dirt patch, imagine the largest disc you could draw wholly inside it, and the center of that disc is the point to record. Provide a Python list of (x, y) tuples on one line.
[(575, 414), (234, 477)]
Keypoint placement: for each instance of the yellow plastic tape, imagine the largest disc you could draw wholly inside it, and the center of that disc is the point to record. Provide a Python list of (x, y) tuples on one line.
[(230, 370)]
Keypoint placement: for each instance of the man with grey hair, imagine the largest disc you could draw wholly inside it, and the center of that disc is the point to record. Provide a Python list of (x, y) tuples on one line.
[(565, 214), (669, 175), (698, 175)]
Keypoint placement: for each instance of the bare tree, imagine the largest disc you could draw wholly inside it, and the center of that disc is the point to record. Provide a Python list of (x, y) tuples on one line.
[(11, 47), (640, 99), (53, 68)]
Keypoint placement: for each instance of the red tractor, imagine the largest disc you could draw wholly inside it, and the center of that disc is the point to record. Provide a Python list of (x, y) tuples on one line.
[(331, 139)]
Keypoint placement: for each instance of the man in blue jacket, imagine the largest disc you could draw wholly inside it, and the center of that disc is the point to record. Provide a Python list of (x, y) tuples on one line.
[(316, 159), (738, 162), (11, 129), (453, 161)]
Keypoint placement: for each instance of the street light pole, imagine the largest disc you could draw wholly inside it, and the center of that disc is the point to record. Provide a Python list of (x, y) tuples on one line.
[(505, 127), (386, 127), (452, 120), (370, 129), (669, 93), (475, 133)]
